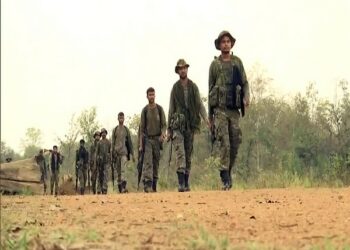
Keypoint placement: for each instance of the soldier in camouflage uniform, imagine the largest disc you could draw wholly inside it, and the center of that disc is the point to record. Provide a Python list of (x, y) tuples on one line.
[(81, 163), (56, 159), (228, 97), (122, 149), (44, 168), (92, 159), (103, 161), (152, 134), (185, 110)]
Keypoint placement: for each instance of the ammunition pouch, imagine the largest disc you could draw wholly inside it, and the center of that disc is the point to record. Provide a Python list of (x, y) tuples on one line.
[(178, 122)]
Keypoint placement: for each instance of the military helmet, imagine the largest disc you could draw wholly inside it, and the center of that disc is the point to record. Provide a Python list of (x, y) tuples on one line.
[(97, 133), (221, 35), (104, 130), (181, 63), (82, 141)]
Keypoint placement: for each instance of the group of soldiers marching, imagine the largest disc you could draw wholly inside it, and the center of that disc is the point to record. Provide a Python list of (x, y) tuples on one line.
[(227, 99)]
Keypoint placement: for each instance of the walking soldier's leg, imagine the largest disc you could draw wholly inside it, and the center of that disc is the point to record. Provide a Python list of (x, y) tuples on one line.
[(147, 170), (178, 143), (222, 147), (155, 160), (235, 134), (188, 144)]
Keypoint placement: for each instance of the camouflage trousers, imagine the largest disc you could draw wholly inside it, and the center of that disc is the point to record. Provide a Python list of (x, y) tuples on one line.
[(102, 184), (93, 169), (228, 137), (82, 173), (43, 178), (183, 145), (120, 163), (151, 159), (54, 182)]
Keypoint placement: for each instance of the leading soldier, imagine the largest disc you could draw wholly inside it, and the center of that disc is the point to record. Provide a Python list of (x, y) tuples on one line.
[(228, 97), (40, 160)]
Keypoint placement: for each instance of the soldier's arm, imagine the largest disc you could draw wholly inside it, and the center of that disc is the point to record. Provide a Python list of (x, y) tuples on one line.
[(171, 106), (131, 147), (211, 84), (245, 83), (141, 129)]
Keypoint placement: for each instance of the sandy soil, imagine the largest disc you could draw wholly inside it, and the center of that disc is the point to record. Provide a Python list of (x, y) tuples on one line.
[(247, 219)]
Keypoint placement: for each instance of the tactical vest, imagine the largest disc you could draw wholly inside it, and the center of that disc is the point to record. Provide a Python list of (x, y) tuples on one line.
[(225, 93)]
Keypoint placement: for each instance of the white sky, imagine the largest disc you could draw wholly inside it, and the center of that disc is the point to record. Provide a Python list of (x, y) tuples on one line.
[(59, 57)]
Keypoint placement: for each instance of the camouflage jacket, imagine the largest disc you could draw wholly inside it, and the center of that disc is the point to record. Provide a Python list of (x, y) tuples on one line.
[(177, 104), (218, 79), (93, 151), (104, 151)]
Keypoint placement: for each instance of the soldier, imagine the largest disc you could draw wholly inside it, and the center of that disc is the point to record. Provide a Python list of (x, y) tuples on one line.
[(228, 97), (185, 110), (152, 128), (81, 162), (40, 160), (92, 159), (56, 160), (122, 148), (103, 161)]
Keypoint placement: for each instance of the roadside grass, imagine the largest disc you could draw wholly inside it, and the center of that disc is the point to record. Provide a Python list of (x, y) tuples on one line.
[(205, 240), (92, 236)]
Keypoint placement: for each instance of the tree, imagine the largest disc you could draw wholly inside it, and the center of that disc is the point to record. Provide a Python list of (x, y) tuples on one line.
[(87, 124), (7, 152), (31, 142)]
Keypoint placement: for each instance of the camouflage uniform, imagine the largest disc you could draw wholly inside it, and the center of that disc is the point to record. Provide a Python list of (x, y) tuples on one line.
[(153, 125), (55, 161), (224, 109), (185, 110), (93, 164), (82, 160), (40, 160), (121, 150), (103, 160)]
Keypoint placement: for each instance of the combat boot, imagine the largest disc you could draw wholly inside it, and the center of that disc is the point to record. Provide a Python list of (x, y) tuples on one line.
[(187, 184), (82, 191), (124, 189), (120, 188), (181, 178), (154, 185), (224, 174), (148, 186)]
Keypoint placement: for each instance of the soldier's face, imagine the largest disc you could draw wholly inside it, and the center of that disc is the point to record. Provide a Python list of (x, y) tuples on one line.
[(121, 119), (182, 71), (97, 137), (54, 150), (103, 135), (225, 44), (151, 96)]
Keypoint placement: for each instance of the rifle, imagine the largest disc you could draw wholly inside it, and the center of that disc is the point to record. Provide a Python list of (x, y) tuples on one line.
[(112, 169), (212, 135), (140, 164), (76, 178), (88, 176)]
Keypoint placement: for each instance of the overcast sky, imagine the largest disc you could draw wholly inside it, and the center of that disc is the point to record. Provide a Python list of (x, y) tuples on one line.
[(60, 57)]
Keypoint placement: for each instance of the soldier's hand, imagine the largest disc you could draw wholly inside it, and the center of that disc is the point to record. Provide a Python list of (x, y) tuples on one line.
[(208, 124), (246, 102)]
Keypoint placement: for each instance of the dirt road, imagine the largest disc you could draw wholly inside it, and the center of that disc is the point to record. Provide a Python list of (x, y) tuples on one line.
[(239, 219)]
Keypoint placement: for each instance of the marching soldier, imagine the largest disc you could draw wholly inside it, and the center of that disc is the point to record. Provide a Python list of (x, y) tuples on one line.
[(103, 161)]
